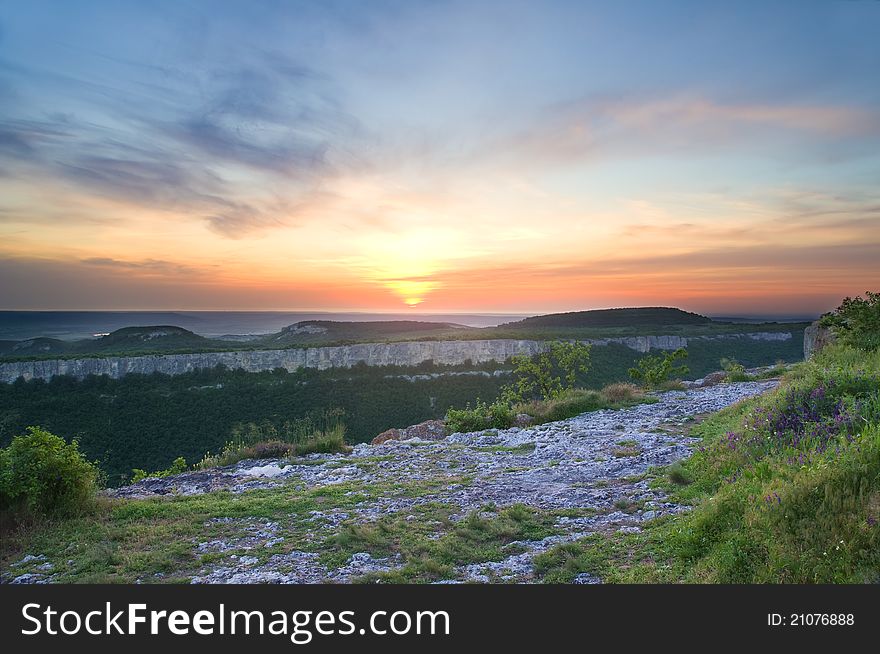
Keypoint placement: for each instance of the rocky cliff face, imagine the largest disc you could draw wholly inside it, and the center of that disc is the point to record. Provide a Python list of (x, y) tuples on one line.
[(345, 356), (815, 338)]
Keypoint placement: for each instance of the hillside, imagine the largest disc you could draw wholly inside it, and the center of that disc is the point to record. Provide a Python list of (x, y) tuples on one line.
[(34, 347), (157, 338), (601, 318), (699, 486), (397, 511), (330, 331), (127, 340), (598, 324)]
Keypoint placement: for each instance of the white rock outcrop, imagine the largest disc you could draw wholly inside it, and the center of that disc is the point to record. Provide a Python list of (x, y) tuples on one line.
[(406, 353)]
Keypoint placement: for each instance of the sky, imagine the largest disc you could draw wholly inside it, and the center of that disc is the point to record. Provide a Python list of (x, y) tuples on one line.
[(442, 155)]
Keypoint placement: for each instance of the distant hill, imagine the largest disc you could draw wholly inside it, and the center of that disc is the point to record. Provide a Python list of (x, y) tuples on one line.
[(602, 323), (324, 331), (634, 317), (159, 337), (128, 340), (33, 347)]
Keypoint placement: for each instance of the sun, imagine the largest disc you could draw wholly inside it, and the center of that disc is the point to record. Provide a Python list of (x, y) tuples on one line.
[(411, 291)]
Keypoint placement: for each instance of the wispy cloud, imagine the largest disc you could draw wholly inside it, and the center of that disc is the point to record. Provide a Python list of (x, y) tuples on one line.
[(147, 266), (271, 122), (596, 128)]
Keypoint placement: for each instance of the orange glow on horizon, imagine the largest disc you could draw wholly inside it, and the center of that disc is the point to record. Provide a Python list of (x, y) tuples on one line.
[(498, 246)]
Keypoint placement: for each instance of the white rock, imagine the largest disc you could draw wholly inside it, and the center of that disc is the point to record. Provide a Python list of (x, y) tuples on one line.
[(270, 471)]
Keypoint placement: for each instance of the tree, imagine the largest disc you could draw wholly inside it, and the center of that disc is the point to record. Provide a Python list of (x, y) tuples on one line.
[(653, 370), (856, 322), (547, 374)]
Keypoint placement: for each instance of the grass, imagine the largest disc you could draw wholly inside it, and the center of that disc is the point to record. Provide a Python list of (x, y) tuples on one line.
[(321, 441), (626, 451), (678, 475), (778, 370), (570, 403), (785, 489), (576, 401), (480, 536), (621, 392), (123, 541), (525, 448)]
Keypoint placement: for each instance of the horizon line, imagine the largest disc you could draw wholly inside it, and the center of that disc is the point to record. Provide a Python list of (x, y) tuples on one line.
[(712, 314)]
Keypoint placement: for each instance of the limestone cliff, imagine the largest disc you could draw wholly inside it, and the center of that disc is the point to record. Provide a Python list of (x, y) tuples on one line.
[(409, 353)]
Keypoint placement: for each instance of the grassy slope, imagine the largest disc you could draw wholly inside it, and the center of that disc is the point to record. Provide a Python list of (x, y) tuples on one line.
[(767, 509)]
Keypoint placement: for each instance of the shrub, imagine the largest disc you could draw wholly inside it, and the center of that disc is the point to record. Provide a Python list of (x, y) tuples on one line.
[(778, 369), (856, 322), (43, 476), (653, 370), (176, 467), (736, 372), (234, 451), (497, 415)]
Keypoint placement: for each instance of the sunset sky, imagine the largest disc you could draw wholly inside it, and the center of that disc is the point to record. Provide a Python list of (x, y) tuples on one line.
[(448, 156)]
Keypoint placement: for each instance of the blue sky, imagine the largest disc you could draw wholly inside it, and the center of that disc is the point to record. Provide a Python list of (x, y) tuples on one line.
[(367, 154)]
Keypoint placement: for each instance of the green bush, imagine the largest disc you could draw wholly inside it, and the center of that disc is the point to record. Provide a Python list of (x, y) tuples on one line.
[(177, 466), (43, 476), (778, 370), (856, 322), (652, 371), (736, 372), (497, 415)]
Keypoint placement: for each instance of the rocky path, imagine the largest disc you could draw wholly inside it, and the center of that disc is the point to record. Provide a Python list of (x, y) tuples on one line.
[(587, 472)]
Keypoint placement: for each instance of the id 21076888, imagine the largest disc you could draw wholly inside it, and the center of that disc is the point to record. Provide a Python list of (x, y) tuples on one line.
[(811, 620)]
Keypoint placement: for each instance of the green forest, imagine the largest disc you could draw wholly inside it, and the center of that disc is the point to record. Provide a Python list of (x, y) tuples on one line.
[(146, 422)]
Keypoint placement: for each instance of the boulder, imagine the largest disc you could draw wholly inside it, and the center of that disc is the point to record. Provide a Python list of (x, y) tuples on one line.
[(430, 430), (713, 378)]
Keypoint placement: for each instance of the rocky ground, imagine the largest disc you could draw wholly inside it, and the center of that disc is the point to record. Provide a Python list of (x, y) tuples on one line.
[(588, 473)]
